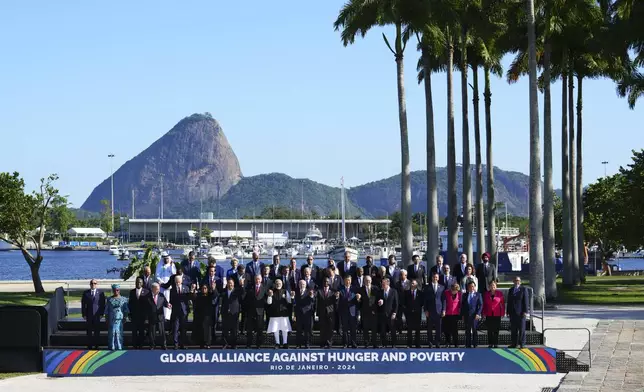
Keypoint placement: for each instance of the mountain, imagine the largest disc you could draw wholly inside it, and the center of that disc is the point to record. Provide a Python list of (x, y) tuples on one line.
[(192, 160), (383, 197), (252, 195)]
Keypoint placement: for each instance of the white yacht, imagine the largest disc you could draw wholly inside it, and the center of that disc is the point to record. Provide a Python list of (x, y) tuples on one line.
[(124, 254), (217, 252), (313, 242), (337, 252), (114, 250)]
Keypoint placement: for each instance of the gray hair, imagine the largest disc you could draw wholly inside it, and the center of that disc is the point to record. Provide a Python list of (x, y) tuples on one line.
[(155, 284)]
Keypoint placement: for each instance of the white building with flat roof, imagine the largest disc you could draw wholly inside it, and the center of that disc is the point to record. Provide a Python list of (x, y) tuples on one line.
[(79, 232)]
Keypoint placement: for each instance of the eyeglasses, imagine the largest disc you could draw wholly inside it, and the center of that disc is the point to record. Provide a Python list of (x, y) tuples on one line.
[(93, 283)]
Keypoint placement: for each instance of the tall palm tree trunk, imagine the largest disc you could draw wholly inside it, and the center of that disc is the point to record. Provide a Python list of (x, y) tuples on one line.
[(489, 166), (565, 180), (573, 175), (467, 173), (536, 217), (580, 188), (548, 202), (405, 194), (480, 225), (452, 208), (432, 189)]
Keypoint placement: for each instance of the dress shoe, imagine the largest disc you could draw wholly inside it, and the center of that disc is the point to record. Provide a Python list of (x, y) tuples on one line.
[(277, 346), (354, 346), (182, 347), (418, 346), (285, 346), (308, 346), (521, 346), (151, 348), (165, 347), (512, 346), (207, 347), (224, 347)]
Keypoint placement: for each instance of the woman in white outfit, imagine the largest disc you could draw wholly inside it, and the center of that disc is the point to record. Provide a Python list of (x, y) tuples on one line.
[(278, 310), (163, 273)]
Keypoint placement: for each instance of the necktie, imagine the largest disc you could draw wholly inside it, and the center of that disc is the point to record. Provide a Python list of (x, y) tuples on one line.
[(326, 292), (413, 296), (155, 299), (229, 293), (179, 289), (138, 293), (435, 288), (302, 293), (256, 290), (368, 291), (416, 268), (347, 292), (386, 294)]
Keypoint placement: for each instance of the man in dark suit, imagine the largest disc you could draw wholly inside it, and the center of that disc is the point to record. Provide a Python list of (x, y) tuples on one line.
[(434, 310), (309, 279), (485, 273), (231, 299), (358, 282), (284, 276), (416, 271), (180, 295), (156, 303), (347, 267), (219, 270), (335, 282), (215, 286), (147, 278), (413, 307), (304, 311), (266, 277), (314, 269), (254, 267), (92, 308), (348, 313), (241, 277), (402, 286), (138, 313), (517, 309), (471, 308), (369, 268), (459, 268), (367, 296), (275, 268), (387, 310), (392, 271), (438, 268), (255, 303), (327, 303), (192, 268), (294, 274), (446, 279)]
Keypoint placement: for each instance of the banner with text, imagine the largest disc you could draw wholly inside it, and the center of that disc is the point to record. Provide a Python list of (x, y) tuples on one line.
[(64, 363)]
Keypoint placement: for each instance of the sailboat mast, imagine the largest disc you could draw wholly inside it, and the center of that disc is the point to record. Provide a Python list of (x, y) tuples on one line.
[(344, 234)]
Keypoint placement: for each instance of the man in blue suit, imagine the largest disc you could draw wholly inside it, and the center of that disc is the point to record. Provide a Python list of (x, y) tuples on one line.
[(254, 267), (517, 309), (192, 268), (180, 304), (348, 313), (92, 307), (471, 308), (434, 310)]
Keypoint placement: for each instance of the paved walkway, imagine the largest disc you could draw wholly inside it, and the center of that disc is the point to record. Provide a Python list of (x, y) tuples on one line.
[(617, 360)]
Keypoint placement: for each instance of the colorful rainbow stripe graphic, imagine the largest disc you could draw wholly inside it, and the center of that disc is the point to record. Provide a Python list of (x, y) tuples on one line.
[(78, 362), (530, 359)]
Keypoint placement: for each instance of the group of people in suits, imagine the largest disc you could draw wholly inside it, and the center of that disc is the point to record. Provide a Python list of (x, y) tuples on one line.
[(278, 299)]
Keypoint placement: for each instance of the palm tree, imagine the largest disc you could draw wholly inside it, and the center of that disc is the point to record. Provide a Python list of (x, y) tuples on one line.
[(478, 177), (357, 17), (628, 15), (536, 234), (452, 207), (466, 171)]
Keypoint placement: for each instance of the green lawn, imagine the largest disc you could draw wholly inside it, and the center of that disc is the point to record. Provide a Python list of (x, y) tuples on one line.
[(4, 376), (604, 290), (32, 299)]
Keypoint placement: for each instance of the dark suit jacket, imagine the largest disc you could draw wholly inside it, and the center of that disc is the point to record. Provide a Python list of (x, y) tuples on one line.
[(390, 304), (193, 272), (336, 283), (147, 285), (232, 304), (137, 306), (255, 304), (485, 277), (247, 278), (456, 271), (294, 278), (203, 305), (348, 304), (393, 278), (312, 285), (447, 282), (275, 273), (413, 306), (304, 306), (474, 309), (155, 312), (219, 282), (92, 306), (250, 269), (326, 305), (315, 272), (434, 303), (266, 282), (356, 283), (420, 276), (434, 270), (348, 270), (180, 302), (170, 285), (517, 303), (368, 305), (369, 270)]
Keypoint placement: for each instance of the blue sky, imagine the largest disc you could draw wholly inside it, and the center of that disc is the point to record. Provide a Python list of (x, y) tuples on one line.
[(80, 80)]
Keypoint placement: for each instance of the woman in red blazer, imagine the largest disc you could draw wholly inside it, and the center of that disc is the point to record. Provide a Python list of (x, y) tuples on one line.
[(452, 313), (493, 310)]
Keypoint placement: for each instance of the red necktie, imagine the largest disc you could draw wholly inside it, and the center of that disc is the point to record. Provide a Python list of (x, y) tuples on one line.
[(256, 290), (155, 299)]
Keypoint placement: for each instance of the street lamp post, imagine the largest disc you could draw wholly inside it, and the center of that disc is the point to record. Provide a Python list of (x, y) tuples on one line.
[(111, 156), (604, 163)]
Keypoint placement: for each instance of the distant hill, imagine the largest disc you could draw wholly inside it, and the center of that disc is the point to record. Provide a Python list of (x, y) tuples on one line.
[(383, 197), (194, 159)]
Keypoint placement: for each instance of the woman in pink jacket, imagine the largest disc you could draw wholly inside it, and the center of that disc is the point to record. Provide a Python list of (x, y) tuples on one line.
[(493, 310), (452, 313)]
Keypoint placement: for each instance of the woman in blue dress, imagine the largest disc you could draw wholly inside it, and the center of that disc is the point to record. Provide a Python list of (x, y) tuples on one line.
[(116, 310)]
